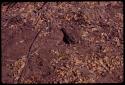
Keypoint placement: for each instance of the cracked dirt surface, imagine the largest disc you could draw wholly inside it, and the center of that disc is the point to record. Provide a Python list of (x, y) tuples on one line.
[(36, 50)]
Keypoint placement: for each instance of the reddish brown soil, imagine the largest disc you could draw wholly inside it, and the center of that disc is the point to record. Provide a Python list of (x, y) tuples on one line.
[(36, 50)]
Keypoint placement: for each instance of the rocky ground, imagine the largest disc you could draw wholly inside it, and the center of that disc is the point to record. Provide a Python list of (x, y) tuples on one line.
[(62, 42)]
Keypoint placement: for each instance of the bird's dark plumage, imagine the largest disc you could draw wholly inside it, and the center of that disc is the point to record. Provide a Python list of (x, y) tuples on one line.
[(68, 38)]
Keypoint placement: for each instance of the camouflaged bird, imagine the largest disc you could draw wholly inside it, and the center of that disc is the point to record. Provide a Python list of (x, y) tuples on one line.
[(68, 38)]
